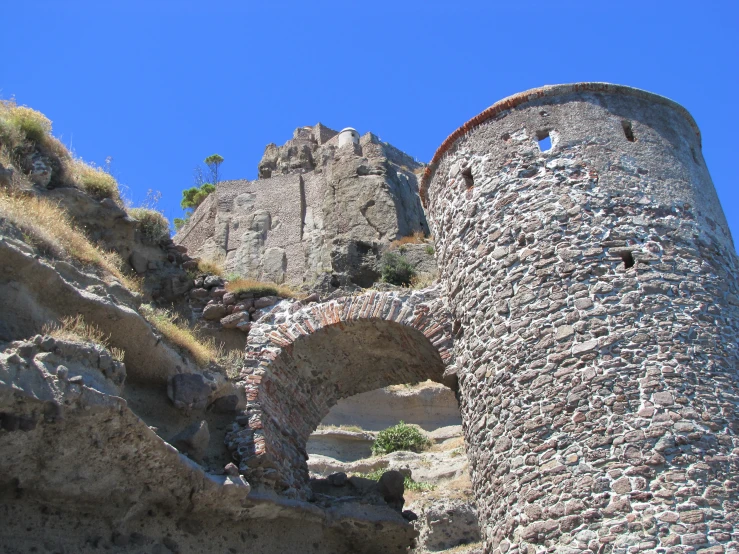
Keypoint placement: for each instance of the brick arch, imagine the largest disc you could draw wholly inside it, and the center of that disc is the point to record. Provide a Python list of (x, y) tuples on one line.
[(296, 370)]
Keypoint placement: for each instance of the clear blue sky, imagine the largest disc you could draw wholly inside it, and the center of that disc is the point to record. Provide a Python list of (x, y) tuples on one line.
[(159, 85)]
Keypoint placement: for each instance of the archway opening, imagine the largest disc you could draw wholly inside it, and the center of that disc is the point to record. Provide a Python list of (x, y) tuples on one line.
[(315, 371)]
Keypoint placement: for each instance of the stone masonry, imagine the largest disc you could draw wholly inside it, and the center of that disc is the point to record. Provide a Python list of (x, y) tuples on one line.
[(300, 363), (592, 287)]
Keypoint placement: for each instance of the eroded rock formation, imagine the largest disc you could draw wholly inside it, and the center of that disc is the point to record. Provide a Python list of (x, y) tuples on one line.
[(316, 212)]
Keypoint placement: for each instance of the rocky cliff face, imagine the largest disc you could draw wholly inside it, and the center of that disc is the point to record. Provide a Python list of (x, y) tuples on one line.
[(318, 212)]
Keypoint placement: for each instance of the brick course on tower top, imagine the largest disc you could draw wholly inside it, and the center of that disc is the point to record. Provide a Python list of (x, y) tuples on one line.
[(591, 278)]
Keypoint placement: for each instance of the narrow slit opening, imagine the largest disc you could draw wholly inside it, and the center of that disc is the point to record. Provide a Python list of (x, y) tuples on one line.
[(695, 156), (469, 182), (628, 130), (545, 141), (628, 259)]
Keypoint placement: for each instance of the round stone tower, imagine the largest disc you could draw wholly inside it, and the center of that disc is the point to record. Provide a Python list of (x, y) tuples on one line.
[(591, 275), (348, 136)]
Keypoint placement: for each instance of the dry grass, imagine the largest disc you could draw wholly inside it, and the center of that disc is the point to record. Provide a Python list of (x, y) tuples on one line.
[(152, 224), (93, 180), (460, 549), (260, 288), (352, 428), (232, 361), (179, 334), (50, 229), (459, 488), (212, 267), (416, 238), (423, 280), (75, 329), (28, 124), (22, 128)]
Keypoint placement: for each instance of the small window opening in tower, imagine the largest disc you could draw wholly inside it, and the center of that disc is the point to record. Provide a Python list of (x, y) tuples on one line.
[(469, 182), (628, 259), (628, 130), (545, 141)]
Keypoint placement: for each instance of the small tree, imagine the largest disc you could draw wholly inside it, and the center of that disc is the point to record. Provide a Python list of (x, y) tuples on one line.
[(194, 196), (214, 162)]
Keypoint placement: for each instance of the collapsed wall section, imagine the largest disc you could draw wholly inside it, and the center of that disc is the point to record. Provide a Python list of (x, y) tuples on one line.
[(591, 275)]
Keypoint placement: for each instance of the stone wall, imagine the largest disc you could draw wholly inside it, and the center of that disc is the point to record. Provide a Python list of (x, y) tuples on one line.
[(593, 286)]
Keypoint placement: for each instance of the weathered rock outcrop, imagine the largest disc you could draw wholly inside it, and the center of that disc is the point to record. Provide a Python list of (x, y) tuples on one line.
[(317, 209), (80, 472)]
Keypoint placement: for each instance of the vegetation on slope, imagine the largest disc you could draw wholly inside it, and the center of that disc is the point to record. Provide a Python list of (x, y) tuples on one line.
[(76, 329), (211, 267), (49, 228), (400, 437), (24, 130), (194, 196), (153, 225), (397, 270), (179, 334)]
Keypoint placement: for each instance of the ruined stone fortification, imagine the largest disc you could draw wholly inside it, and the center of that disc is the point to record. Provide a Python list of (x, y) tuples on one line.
[(317, 210), (593, 288), (585, 316)]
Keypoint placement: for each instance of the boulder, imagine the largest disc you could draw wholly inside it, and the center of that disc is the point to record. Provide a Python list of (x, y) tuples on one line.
[(225, 404), (212, 281), (265, 301), (392, 487), (188, 391), (138, 262), (214, 311), (338, 479), (199, 293), (40, 174), (232, 321), (193, 440)]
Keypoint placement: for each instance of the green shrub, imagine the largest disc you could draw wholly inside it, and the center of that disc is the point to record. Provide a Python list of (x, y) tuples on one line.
[(430, 250), (152, 224), (397, 270), (400, 437)]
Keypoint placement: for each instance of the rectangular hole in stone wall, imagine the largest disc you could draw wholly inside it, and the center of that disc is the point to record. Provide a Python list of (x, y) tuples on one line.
[(628, 259), (545, 141), (469, 182), (628, 130)]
